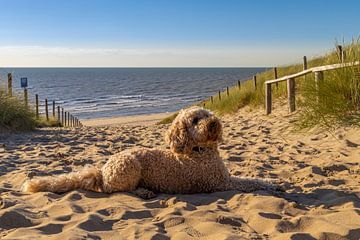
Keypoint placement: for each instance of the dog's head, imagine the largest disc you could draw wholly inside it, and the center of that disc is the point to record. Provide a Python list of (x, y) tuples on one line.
[(194, 128)]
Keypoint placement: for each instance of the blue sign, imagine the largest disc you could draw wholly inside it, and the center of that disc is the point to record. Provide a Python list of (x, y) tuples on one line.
[(24, 82)]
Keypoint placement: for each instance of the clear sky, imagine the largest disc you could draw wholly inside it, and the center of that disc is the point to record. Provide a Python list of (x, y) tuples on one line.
[(165, 33)]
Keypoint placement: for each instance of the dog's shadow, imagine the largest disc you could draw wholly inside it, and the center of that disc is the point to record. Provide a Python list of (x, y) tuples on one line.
[(304, 200)]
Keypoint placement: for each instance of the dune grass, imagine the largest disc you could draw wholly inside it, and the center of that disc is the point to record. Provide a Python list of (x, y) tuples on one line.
[(338, 101), (15, 116)]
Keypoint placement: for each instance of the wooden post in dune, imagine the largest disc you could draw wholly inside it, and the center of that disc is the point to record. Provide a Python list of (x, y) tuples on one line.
[(239, 84), (68, 119), (58, 114), (268, 98), (319, 78), (255, 83), (9, 84), (62, 117), (65, 116), (276, 76), (26, 99), (305, 66), (340, 53), (37, 106), (227, 91), (53, 108), (46, 109), (219, 96), (212, 99), (291, 94)]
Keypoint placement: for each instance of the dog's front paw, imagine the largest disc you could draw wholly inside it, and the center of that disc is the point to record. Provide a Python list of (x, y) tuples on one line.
[(144, 193)]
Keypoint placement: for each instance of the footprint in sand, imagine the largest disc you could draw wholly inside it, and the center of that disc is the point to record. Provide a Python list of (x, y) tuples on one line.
[(173, 221), (95, 223), (51, 228), (6, 203), (233, 221), (351, 144), (13, 219)]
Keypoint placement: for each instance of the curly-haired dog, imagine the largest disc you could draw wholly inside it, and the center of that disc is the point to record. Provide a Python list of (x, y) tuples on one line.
[(192, 165)]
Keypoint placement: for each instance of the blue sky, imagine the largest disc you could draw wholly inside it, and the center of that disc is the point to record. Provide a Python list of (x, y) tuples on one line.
[(171, 33)]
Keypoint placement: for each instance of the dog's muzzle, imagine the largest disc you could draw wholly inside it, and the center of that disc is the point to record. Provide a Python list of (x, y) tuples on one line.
[(214, 129)]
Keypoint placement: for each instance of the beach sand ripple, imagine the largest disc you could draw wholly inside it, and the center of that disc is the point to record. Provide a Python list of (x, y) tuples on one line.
[(320, 174)]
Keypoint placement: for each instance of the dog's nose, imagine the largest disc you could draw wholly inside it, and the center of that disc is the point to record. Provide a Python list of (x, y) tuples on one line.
[(213, 125)]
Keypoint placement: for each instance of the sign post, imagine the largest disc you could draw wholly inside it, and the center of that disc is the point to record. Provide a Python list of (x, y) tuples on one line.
[(24, 85)]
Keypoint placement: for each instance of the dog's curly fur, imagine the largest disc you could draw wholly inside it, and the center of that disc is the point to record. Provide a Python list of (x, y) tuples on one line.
[(192, 165)]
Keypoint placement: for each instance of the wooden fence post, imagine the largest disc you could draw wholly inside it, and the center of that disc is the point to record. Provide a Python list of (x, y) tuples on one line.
[(276, 76), (219, 96), (227, 91), (68, 119), (305, 66), (9, 84), (319, 78), (62, 117), (26, 97), (268, 98), (340, 53), (239, 84), (53, 109), (65, 119), (291, 94), (37, 106), (46, 109), (58, 113), (255, 83), (212, 99)]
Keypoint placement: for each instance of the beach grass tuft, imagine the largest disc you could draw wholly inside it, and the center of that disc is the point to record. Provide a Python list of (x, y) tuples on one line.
[(16, 116), (337, 101)]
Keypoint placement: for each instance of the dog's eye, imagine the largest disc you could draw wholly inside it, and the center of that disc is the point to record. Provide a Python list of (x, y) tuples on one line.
[(195, 121)]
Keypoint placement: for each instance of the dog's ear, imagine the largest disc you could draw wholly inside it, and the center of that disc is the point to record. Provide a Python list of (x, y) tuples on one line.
[(177, 136)]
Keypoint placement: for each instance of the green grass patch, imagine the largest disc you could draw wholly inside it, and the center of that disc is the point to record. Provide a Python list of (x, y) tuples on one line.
[(168, 119), (16, 116), (337, 100)]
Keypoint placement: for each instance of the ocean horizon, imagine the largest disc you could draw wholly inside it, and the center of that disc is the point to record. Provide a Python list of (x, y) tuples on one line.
[(110, 92)]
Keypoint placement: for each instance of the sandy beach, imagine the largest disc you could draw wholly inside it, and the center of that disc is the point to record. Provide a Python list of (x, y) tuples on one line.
[(319, 171), (135, 120)]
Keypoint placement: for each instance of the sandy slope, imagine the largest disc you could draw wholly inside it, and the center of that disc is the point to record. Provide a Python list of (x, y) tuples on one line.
[(321, 200), (134, 120)]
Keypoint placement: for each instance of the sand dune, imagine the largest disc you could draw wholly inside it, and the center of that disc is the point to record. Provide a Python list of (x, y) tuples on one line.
[(320, 172)]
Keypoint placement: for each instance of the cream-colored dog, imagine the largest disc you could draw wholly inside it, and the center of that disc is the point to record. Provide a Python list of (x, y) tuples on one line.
[(192, 165)]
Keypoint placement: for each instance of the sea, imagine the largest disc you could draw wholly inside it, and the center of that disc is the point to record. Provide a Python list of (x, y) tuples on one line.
[(110, 92)]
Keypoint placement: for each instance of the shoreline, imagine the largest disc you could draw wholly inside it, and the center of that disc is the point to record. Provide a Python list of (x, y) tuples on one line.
[(134, 120)]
